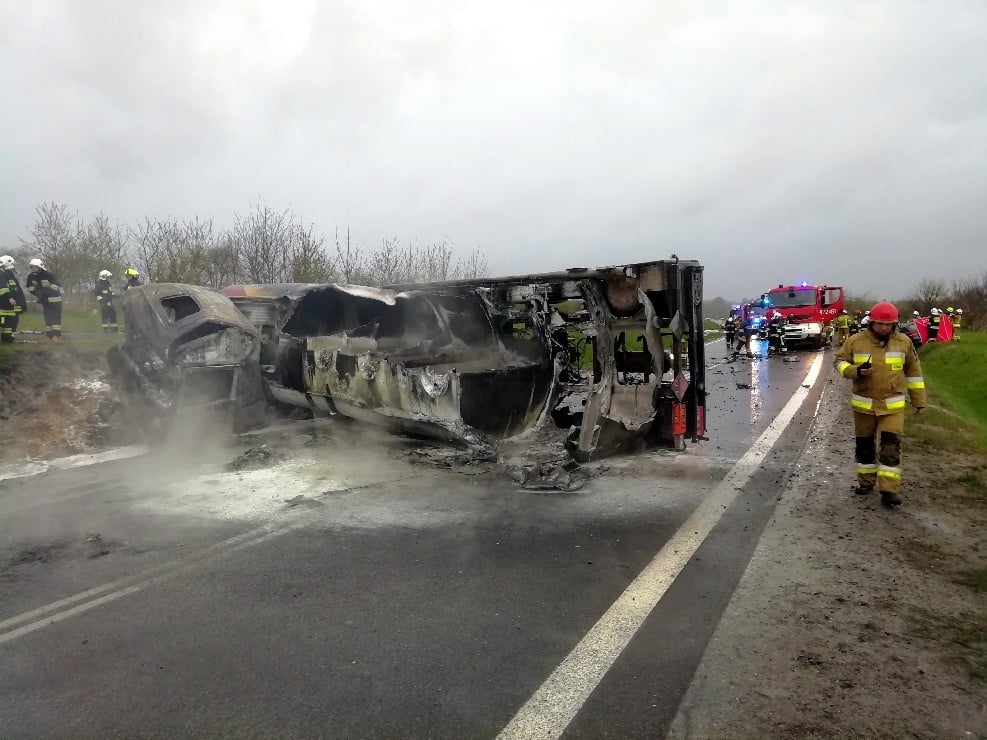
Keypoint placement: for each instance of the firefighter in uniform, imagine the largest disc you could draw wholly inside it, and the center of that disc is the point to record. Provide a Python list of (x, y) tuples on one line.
[(730, 331), (12, 301), (957, 322), (776, 334), (104, 297), (954, 319), (884, 367), (935, 317), (133, 278), (855, 322), (44, 287), (842, 324)]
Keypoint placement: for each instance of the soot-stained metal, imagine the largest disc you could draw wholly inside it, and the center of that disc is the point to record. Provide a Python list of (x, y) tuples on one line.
[(612, 358)]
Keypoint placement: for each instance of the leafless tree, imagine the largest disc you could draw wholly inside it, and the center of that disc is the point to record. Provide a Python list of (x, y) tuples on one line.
[(929, 293), (971, 296), (53, 234), (310, 262), (172, 251), (474, 265), (349, 260)]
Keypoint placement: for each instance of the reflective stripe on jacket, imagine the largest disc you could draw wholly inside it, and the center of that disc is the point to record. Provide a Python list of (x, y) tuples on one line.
[(44, 286), (896, 375)]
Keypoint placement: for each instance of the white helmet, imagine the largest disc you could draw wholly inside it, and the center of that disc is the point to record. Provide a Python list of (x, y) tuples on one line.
[(915, 313), (7, 262), (105, 274), (935, 312), (865, 321), (36, 262), (959, 310)]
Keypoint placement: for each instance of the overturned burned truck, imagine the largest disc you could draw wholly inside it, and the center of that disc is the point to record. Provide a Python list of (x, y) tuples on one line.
[(612, 358)]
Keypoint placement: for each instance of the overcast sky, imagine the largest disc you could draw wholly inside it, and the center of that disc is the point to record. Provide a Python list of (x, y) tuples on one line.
[(839, 142)]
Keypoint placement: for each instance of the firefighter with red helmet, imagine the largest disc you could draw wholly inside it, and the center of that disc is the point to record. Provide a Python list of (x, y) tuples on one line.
[(886, 372)]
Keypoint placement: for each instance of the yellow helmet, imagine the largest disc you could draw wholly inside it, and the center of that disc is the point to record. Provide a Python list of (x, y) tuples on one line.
[(949, 309), (131, 272)]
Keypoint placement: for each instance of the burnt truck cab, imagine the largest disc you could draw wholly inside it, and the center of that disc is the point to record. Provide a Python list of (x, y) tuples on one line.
[(186, 349)]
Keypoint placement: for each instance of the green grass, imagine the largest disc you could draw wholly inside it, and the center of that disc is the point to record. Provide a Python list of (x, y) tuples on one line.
[(73, 319), (9, 352), (955, 377)]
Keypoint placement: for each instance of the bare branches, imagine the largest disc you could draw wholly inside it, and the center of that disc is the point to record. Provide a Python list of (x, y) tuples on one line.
[(264, 246)]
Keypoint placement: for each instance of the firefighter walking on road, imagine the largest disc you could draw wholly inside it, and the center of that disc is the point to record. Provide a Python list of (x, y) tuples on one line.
[(12, 302), (842, 324), (885, 371), (104, 297), (730, 331), (44, 287)]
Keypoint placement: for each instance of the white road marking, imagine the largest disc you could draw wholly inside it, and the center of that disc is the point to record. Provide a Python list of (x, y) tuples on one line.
[(126, 586), (62, 609), (553, 706)]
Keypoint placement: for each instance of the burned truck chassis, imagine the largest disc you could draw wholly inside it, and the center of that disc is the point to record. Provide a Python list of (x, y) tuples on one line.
[(611, 357)]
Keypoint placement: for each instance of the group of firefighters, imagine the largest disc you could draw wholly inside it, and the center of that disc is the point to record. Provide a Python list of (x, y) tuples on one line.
[(738, 332), (43, 285)]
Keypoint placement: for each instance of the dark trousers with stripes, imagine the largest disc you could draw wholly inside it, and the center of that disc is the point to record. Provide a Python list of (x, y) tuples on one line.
[(53, 319)]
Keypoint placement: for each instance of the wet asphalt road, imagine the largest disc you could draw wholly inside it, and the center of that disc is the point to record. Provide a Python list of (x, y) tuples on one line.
[(352, 593)]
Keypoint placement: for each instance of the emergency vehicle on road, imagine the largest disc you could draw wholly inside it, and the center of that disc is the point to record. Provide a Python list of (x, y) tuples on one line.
[(808, 310)]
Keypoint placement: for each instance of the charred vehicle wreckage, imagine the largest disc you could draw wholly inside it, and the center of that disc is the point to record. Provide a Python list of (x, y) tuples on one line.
[(609, 359)]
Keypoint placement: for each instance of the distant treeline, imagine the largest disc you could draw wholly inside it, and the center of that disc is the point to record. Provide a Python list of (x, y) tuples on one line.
[(264, 246)]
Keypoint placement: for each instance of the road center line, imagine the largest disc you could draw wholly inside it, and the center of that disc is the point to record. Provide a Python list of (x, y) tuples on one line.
[(554, 705)]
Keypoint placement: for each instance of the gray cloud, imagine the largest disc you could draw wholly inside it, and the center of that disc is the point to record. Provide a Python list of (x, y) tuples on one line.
[(842, 142)]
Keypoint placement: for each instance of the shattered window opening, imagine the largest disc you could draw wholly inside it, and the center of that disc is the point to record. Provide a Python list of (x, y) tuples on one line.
[(179, 307)]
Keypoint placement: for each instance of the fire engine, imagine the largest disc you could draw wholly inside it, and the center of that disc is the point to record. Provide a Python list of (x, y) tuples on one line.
[(808, 310)]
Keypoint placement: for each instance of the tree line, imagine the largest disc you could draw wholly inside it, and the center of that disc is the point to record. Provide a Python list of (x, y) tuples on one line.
[(264, 246)]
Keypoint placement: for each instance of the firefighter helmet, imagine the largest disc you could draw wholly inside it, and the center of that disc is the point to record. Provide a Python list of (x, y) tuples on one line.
[(844, 310), (7, 262), (916, 313), (36, 262), (131, 272), (858, 313), (936, 312), (884, 311), (105, 274), (959, 310), (949, 310)]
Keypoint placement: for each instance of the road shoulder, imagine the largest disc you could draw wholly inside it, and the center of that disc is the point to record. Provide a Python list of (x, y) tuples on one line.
[(849, 620)]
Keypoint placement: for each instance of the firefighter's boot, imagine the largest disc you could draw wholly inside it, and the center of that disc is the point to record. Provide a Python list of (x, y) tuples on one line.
[(863, 490), (891, 500)]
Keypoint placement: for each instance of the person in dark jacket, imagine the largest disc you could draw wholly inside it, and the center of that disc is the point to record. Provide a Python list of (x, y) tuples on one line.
[(935, 318), (12, 301), (104, 297), (43, 285)]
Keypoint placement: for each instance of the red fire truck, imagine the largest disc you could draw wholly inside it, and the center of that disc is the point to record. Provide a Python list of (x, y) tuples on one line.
[(809, 311)]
